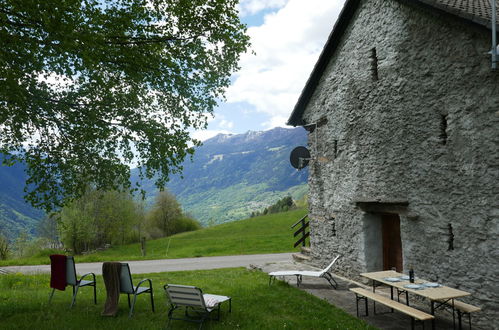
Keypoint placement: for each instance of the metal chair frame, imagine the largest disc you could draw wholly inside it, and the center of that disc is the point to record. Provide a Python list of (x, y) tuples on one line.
[(126, 286), (72, 280)]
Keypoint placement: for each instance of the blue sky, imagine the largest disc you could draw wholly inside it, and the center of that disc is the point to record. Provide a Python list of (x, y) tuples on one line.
[(287, 37)]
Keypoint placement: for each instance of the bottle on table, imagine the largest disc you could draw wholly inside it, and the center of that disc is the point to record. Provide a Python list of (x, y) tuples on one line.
[(411, 275)]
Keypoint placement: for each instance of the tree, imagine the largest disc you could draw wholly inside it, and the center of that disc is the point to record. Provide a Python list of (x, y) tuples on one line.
[(4, 247), (165, 213), (22, 242), (75, 227), (90, 86), (47, 229), (98, 218)]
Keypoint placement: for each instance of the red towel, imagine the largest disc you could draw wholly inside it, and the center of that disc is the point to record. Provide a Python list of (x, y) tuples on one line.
[(58, 271)]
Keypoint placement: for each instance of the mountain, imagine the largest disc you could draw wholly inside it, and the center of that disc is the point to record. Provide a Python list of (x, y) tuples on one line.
[(15, 213), (233, 175), (230, 177)]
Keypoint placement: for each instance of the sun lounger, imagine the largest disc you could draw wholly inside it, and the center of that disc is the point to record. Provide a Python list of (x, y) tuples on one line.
[(325, 273), (196, 306)]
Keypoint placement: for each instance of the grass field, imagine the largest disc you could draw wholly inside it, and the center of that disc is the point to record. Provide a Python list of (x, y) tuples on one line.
[(255, 304), (264, 234)]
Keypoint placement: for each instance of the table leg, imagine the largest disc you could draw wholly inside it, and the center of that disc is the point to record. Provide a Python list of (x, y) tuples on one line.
[(432, 313), (454, 317), (391, 295)]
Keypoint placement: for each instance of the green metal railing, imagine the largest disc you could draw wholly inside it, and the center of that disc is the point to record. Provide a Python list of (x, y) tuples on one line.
[(302, 231)]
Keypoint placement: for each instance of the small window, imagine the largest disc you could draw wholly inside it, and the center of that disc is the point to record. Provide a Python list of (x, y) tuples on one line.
[(374, 64), (443, 129)]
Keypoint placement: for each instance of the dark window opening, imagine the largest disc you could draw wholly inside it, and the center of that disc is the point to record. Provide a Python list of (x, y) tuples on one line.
[(335, 148), (443, 129), (374, 64), (451, 238)]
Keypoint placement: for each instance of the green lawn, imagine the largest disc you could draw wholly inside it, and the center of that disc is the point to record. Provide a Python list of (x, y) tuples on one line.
[(264, 234), (255, 305)]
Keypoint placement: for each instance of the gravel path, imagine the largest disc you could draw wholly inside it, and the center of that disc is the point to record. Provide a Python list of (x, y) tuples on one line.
[(165, 265)]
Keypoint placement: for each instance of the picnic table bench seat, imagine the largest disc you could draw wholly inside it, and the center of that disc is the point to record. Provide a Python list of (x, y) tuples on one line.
[(463, 308), (415, 314)]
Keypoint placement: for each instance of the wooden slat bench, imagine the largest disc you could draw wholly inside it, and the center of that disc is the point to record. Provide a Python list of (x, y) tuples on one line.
[(414, 313), (463, 308)]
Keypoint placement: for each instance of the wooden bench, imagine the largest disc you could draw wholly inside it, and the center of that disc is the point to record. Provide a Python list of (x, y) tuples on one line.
[(463, 308), (415, 314)]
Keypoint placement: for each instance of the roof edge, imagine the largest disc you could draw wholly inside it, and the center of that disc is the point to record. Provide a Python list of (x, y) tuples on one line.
[(331, 44)]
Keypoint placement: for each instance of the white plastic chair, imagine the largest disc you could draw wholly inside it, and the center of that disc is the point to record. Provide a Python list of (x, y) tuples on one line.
[(325, 273)]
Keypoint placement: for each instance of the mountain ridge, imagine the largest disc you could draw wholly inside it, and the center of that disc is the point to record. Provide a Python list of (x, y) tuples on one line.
[(231, 176)]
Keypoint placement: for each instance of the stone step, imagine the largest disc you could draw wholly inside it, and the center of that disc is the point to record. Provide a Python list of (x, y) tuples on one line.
[(300, 257), (306, 250)]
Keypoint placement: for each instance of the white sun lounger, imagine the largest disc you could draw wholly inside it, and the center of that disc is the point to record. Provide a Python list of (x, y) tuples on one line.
[(325, 273)]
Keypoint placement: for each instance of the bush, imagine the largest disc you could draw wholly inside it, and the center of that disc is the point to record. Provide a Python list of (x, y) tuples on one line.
[(283, 205), (187, 223)]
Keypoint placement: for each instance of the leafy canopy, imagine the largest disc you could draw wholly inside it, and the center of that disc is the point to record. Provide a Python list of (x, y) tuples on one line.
[(90, 86)]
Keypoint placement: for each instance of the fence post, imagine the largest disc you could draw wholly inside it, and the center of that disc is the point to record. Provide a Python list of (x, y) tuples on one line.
[(143, 246)]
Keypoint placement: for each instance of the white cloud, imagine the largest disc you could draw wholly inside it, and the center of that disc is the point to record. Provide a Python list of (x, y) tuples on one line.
[(275, 121), (287, 46), (226, 124), (251, 7)]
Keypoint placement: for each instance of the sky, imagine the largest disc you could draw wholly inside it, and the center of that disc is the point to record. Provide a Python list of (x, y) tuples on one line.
[(287, 37)]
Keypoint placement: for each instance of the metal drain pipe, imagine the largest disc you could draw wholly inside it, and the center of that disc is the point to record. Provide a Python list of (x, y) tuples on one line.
[(494, 36)]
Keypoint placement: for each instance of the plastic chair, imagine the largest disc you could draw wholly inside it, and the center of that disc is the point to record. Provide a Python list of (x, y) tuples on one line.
[(126, 286), (72, 280)]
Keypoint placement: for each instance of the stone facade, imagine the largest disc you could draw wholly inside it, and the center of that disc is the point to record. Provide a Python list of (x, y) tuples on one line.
[(407, 114)]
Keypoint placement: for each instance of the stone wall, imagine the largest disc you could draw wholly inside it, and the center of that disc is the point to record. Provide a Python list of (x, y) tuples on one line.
[(412, 110)]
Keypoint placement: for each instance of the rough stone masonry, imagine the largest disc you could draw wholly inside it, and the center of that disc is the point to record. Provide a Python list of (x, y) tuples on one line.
[(405, 124)]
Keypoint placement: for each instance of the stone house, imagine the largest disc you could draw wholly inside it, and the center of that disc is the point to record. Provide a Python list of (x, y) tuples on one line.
[(402, 110)]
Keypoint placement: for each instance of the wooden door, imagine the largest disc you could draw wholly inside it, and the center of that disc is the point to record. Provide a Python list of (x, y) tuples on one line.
[(392, 244)]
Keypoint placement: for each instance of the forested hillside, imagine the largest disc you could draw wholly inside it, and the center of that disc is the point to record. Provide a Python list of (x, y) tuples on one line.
[(15, 214), (232, 176)]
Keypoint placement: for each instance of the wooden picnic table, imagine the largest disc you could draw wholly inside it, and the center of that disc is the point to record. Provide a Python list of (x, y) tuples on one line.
[(440, 295)]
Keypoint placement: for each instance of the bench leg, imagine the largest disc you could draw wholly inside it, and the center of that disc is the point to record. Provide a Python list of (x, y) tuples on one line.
[(357, 298), (413, 323), (357, 304), (460, 319)]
